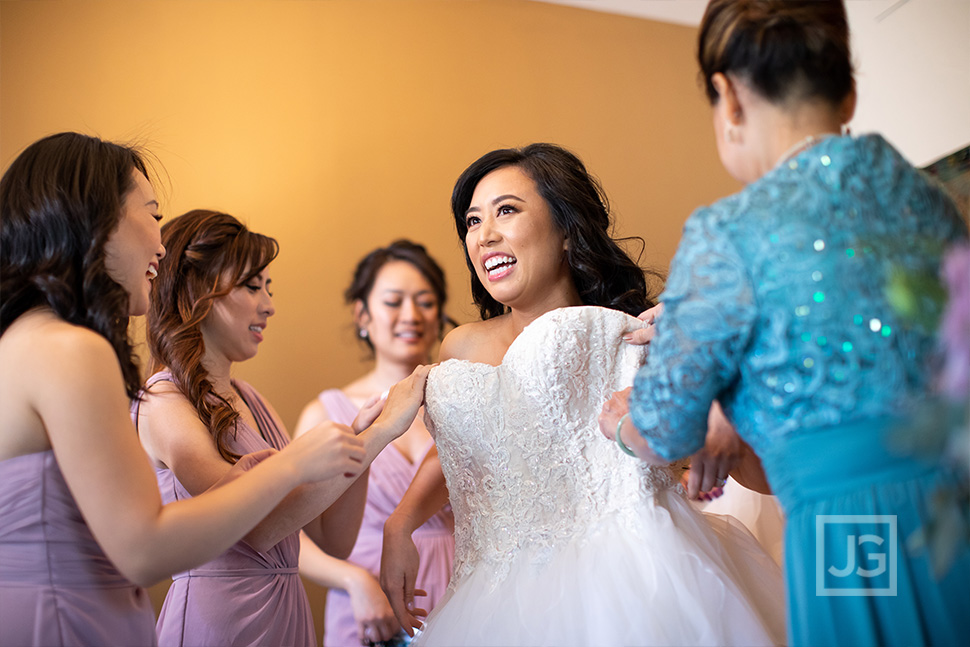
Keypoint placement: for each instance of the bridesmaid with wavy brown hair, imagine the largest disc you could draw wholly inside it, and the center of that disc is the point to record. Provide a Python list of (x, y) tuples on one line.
[(210, 309)]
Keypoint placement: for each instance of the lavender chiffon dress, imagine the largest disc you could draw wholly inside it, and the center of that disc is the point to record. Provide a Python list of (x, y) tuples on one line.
[(57, 587), (243, 597), (390, 476)]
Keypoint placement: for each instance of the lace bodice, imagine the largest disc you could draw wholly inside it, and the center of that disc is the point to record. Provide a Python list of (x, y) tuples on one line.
[(778, 300), (520, 445)]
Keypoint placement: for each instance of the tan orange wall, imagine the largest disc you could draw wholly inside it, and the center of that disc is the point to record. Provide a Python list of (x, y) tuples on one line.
[(339, 125)]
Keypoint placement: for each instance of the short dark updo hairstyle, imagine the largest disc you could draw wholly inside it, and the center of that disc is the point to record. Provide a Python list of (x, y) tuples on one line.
[(603, 273), (365, 274), (785, 49)]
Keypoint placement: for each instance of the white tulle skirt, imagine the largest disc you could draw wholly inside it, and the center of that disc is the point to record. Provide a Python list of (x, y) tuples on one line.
[(674, 576)]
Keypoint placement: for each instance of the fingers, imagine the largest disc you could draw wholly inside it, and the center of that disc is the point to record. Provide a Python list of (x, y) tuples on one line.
[(651, 314), (694, 480), (369, 412), (248, 461), (641, 336)]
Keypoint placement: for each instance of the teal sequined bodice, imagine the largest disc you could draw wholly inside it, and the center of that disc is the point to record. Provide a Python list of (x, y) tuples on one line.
[(777, 300)]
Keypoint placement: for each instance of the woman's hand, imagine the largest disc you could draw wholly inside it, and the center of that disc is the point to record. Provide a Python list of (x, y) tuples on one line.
[(643, 335), (373, 614), (329, 449), (399, 570), (722, 452), (614, 409), (369, 412), (403, 401)]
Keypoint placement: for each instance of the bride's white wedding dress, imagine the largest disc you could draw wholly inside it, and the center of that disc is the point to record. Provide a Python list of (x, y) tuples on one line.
[(561, 539)]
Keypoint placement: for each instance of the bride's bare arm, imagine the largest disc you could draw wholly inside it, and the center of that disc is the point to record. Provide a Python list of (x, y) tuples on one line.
[(399, 557)]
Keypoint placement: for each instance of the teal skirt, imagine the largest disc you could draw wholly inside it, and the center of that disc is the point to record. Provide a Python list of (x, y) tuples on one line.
[(852, 506)]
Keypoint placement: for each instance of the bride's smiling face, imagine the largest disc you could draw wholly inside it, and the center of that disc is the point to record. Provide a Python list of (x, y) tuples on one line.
[(514, 245)]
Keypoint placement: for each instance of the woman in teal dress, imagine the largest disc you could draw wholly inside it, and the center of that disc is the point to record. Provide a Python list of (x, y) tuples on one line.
[(777, 307)]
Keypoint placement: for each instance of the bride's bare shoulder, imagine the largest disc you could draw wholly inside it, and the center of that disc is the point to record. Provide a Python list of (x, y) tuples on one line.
[(478, 341)]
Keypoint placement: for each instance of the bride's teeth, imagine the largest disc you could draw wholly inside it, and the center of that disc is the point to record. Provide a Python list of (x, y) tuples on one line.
[(495, 261), (152, 272)]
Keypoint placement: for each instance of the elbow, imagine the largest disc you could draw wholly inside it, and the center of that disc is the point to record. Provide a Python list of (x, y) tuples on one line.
[(260, 542), (141, 570), (336, 542), (336, 548)]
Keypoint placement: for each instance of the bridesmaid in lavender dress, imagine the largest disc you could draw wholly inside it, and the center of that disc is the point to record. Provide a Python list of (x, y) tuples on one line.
[(210, 309), (82, 526), (398, 293)]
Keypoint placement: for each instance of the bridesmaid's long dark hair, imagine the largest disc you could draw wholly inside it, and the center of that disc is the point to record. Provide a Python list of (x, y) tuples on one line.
[(60, 200)]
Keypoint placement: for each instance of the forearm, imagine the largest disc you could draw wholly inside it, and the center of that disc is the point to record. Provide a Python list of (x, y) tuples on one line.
[(335, 530), (638, 444), (329, 511), (750, 473), (324, 569), (426, 495), (190, 532), (303, 507)]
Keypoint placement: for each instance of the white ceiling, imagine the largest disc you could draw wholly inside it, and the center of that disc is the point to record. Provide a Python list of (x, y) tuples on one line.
[(683, 12)]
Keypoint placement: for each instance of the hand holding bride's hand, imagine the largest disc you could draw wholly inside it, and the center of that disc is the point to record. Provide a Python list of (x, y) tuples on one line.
[(643, 335), (399, 569)]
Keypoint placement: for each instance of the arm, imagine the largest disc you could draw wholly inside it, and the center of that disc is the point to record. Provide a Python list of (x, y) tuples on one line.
[(334, 531), (709, 314), (76, 389), (426, 495), (173, 435), (394, 416)]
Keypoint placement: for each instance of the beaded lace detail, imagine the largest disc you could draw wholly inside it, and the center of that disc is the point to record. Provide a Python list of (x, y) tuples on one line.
[(778, 300), (526, 465)]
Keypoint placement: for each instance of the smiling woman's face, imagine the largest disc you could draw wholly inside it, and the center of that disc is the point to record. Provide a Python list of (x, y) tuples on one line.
[(514, 245), (135, 246)]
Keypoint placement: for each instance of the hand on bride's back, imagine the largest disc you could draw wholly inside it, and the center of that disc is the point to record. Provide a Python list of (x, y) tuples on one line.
[(643, 336)]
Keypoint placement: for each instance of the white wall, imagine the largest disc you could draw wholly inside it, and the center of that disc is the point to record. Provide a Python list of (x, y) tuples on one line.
[(912, 66)]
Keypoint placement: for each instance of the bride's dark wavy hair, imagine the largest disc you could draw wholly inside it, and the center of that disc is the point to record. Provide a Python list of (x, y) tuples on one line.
[(208, 255), (604, 274), (60, 200)]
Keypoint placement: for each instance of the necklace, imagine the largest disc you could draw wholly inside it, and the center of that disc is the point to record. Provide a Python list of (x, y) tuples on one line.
[(802, 146)]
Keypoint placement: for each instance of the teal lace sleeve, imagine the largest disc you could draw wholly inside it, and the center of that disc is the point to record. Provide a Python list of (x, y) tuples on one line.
[(709, 309)]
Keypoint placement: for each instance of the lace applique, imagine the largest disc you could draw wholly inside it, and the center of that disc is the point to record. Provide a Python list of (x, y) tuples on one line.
[(520, 446), (777, 300)]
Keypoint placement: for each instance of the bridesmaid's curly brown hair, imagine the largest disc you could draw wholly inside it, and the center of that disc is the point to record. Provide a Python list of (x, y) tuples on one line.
[(208, 254)]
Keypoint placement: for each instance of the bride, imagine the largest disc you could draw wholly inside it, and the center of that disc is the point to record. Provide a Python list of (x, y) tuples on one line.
[(561, 538)]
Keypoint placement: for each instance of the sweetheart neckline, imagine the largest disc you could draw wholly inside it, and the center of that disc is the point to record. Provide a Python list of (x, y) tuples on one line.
[(532, 324)]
